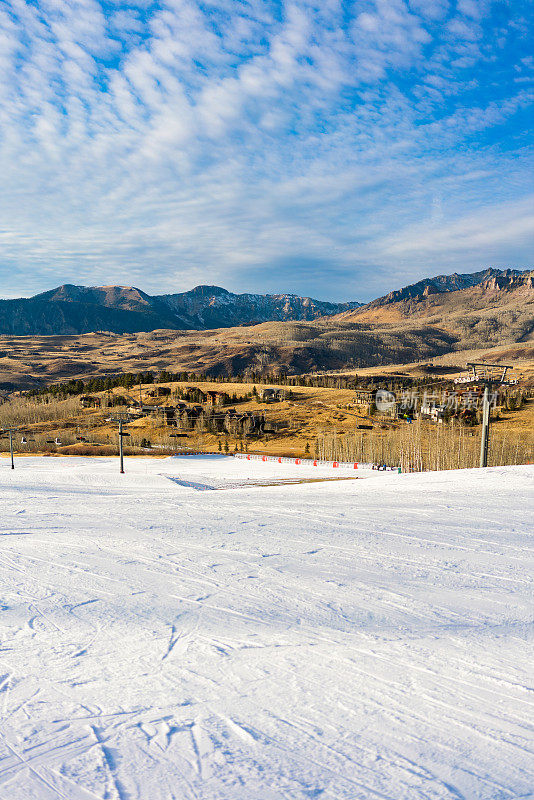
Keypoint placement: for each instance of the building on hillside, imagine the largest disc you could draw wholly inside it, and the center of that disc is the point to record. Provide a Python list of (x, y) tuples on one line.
[(187, 416), (270, 395), (166, 413), (194, 395), (215, 398), (217, 422), (183, 419), (243, 423), (148, 409), (169, 414), (433, 413), (159, 391), (364, 396), (88, 401)]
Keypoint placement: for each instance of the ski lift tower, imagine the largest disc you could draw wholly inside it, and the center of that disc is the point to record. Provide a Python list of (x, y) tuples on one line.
[(489, 375), (121, 419), (8, 433)]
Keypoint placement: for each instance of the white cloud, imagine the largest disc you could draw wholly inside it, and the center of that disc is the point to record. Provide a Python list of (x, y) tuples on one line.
[(492, 229), (171, 144)]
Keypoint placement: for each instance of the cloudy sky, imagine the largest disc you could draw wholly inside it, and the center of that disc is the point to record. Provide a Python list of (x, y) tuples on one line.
[(337, 149)]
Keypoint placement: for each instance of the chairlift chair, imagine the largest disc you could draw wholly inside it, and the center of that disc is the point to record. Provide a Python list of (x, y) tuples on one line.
[(24, 440)]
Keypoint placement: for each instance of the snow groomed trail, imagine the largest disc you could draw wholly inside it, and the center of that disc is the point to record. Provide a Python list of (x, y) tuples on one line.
[(343, 640)]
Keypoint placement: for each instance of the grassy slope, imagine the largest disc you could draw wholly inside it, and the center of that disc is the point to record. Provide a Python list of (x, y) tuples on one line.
[(310, 413)]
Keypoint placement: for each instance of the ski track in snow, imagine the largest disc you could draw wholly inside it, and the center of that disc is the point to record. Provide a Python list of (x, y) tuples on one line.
[(340, 640)]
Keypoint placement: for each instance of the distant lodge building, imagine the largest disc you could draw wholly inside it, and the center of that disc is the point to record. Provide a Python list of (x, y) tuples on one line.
[(209, 418), (88, 401), (367, 397), (424, 404), (270, 395), (216, 399), (212, 397), (433, 413), (159, 391), (198, 410), (364, 396), (228, 421)]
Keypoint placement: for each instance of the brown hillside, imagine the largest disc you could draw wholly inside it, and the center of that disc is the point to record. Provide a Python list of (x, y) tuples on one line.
[(509, 296), (497, 312)]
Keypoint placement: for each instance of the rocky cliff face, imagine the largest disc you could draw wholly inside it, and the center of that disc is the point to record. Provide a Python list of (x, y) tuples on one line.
[(209, 307), (497, 309), (448, 283), (73, 309), (509, 281)]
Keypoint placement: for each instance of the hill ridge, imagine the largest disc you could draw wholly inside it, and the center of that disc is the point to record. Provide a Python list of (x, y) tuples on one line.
[(75, 309)]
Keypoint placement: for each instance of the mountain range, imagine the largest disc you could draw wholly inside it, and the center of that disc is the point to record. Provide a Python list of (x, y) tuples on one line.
[(71, 309), (440, 317), (449, 299)]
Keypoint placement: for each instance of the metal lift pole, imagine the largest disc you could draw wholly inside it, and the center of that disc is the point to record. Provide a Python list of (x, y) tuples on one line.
[(120, 420), (11, 449), (121, 451), (484, 441), (490, 375)]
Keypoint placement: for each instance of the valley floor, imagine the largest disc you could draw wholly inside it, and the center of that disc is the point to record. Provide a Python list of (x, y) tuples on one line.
[(345, 640)]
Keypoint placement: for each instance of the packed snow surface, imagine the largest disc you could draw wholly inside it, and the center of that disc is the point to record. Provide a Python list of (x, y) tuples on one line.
[(343, 640)]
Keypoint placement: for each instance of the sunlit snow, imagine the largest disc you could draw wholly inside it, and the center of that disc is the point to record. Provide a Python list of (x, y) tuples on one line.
[(357, 639)]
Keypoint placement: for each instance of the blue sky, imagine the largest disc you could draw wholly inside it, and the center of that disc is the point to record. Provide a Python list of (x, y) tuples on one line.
[(337, 149)]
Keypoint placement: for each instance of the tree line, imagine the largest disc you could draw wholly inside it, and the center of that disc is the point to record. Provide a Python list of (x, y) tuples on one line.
[(126, 380)]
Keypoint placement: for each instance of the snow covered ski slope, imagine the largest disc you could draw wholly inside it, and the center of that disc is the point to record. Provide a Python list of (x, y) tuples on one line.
[(348, 640)]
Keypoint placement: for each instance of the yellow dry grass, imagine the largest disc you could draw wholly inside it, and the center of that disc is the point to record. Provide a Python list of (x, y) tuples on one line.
[(312, 413)]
